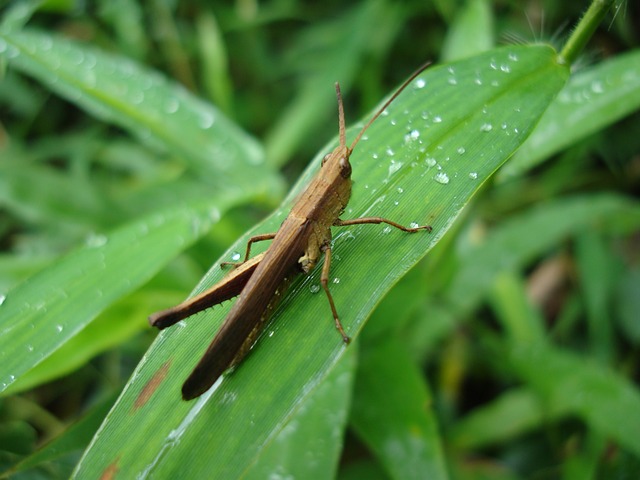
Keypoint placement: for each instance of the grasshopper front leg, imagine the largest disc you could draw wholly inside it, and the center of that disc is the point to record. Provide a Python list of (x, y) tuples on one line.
[(379, 220)]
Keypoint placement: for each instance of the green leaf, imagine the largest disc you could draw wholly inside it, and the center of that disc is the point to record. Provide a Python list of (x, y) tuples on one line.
[(592, 100), (393, 413), (44, 312), (470, 33), (420, 162), (159, 112), (311, 444)]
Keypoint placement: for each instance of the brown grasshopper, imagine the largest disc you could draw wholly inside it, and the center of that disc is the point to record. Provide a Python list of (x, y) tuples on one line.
[(296, 247)]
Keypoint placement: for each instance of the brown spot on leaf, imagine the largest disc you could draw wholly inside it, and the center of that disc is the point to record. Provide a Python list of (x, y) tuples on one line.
[(152, 385), (111, 471)]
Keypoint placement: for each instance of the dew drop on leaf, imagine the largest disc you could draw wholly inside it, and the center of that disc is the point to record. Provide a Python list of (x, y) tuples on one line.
[(442, 178)]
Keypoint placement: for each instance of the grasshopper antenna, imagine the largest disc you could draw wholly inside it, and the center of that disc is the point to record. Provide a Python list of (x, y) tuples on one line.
[(341, 126), (382, 109)]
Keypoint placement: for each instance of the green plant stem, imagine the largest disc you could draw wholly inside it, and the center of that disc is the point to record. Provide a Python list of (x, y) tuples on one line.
[(584, 30)]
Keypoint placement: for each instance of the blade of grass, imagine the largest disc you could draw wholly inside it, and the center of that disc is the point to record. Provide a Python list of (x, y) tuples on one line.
[(310, 445), (593, 99), (393, 413), (422, 161), (45, 311), (471, 31), (163, 114)]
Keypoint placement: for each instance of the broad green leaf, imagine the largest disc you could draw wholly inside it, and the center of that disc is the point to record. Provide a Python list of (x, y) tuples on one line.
[(420, 162), (111, 328), (120, 91), (44, 312), (311, 444), (393, 413), (592, 100)]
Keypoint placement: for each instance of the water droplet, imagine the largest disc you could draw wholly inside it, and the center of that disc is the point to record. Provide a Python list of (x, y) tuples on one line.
[(386, 230), (171, 106), (503, 126), (30, 348), (90, 61), (477, 81), (495, 83), (59, 328), (95, 240), (505, 68), (393, 122), (486, 127), (400, 190), (414, 134), (461, 150), (235, 256), (493, 65), (46, 43), (430, 161), (2, 299), (336, 280), (473, 175), (513, 57), (394, 167), (437, 119), (11, 51), (596, 87), (414, 225), (442, 178), (136, 97), (452, 81), (389, 152), (206, 120), (420, 83)]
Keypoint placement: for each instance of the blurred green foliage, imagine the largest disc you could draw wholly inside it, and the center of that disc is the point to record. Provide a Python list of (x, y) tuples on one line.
[(510, 351)]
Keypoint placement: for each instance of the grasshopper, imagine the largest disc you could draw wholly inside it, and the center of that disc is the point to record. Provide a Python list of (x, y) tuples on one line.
[(296, 248)]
